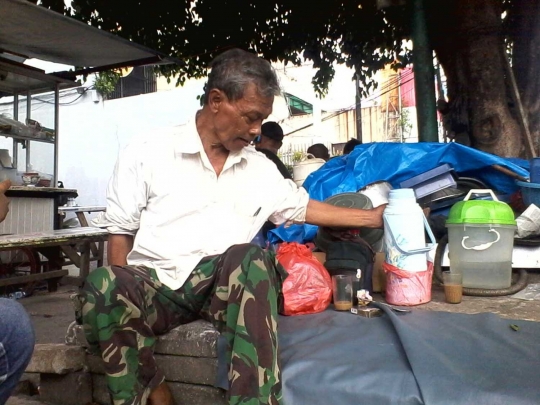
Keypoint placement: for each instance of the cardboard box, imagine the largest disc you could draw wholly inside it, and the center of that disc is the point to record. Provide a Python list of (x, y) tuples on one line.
[(320, 256)]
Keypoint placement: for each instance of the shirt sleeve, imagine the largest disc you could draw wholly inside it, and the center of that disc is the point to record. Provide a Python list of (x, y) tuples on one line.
[(127, 194), (290, 202)]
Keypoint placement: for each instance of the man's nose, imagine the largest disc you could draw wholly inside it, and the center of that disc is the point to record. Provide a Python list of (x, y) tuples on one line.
[(255, 131)]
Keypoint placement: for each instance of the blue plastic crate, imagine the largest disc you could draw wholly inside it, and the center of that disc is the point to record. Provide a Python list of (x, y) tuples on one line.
[(530, 193), (431, 181)]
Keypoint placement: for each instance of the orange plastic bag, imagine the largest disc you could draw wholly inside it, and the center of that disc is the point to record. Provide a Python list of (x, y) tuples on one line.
[(308, 288)]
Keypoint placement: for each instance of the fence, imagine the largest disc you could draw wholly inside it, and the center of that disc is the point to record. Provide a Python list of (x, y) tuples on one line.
[(290, 154)]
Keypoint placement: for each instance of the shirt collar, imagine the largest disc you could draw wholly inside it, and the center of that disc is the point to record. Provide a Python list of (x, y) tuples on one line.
[(189, 142), (188, 139)]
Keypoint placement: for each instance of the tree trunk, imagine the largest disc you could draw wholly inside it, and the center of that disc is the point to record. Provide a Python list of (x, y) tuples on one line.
[(468, 41), (524, 21)]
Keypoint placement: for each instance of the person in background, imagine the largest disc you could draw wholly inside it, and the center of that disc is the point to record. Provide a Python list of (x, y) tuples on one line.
[(181, 252), (350, 145), (269, 142), (319, 151), (16, 331)]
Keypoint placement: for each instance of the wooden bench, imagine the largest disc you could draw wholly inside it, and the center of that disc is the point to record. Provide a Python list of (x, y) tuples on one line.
[(75, 243), (95, 248)]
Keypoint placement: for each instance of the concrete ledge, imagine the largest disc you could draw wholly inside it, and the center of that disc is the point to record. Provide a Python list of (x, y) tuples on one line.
[(195, 339), (56, 359), (69, 389), (184, 394), (192, 370), (187, 355)]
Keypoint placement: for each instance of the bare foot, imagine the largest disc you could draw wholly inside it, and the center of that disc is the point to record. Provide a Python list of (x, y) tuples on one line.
[(161, 395)]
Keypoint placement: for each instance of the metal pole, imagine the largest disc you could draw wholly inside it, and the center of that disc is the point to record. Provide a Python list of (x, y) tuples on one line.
[(400, 108), (16, 118), (28, 116), (424, 74), (56, 131), (358, 110), (440, 97), (440, 89)]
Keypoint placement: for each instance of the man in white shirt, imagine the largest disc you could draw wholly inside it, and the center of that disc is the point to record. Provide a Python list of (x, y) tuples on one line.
[(182, 209)]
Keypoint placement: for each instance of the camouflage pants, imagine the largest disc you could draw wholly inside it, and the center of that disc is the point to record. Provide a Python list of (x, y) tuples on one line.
[(124, 308)]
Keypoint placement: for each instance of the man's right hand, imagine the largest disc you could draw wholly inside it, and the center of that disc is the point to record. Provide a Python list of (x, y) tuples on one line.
[(4, 202)]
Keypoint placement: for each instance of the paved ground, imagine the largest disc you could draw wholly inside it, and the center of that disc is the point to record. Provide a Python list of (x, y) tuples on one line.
[(51, 314)]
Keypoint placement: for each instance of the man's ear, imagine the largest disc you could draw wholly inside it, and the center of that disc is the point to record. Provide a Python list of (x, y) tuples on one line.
[(215, 98)]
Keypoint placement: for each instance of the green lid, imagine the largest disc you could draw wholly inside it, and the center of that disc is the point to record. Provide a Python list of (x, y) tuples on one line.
[(481, 212)]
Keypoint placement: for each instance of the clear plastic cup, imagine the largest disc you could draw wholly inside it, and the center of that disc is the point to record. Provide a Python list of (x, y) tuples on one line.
[(453, 287), (343, 292)]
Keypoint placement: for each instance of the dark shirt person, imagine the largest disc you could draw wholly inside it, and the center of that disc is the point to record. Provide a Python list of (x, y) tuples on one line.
[(269, 142), (350, 145), (319, 151)]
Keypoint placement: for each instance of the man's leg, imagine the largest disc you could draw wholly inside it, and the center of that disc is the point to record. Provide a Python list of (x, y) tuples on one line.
[(16, 345), (244, 284), (123, 309)]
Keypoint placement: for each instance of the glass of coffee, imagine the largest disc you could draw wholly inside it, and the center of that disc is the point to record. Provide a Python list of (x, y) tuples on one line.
[(343, 292)]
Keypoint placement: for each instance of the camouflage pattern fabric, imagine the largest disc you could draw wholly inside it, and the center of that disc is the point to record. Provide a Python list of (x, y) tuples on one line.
[(124, 309)]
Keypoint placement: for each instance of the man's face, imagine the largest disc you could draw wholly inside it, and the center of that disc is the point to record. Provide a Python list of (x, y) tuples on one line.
[(237, 123)]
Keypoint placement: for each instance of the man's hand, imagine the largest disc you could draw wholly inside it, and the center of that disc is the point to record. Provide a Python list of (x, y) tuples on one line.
[(378, 216), (323, 214), (4, 202)]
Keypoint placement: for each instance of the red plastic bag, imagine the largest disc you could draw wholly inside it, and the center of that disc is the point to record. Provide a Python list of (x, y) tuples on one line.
[(308, 288)]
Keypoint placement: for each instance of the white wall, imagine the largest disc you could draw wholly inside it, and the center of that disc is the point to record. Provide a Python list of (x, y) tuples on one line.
[(92, 134)]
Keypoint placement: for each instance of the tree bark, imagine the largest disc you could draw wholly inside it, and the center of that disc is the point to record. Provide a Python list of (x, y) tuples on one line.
[(467, 38), (524, 30)]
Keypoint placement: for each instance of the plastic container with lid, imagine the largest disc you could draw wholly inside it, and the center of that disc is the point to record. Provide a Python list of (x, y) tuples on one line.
[(481, 241)]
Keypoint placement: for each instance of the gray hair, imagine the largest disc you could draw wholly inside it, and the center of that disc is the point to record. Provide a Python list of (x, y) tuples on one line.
[(233, 70)]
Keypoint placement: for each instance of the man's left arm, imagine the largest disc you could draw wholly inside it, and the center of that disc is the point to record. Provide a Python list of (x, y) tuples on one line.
[(292, 204), (322, 214)]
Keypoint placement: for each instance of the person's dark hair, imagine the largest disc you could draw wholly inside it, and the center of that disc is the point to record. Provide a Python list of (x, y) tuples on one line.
[(272, 130), (319, 151), (234, 69), (349, 146)]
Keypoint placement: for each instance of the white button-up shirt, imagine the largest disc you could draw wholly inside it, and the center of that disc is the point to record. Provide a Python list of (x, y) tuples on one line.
[(165, 192)]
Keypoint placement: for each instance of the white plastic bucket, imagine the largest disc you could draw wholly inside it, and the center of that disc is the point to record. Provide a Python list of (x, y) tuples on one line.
[(404, 223), (302, 169)]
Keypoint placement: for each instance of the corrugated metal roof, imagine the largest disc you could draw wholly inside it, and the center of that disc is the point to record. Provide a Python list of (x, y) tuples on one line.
[(32, 31)]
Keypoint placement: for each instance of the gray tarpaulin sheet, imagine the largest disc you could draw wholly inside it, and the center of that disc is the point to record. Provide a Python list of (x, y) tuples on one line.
[(423, 357)]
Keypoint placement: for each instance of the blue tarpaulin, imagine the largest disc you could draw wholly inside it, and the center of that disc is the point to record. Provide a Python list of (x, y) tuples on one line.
[(395, 163)]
